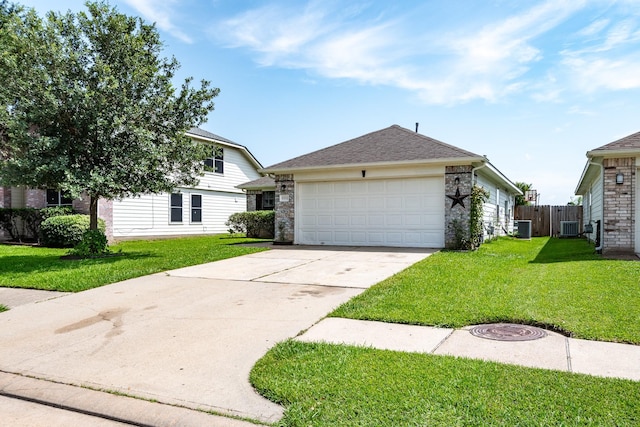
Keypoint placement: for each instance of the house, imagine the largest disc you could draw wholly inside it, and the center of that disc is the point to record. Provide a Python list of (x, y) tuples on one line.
[(202, 209), (610, 195), (392, 187)]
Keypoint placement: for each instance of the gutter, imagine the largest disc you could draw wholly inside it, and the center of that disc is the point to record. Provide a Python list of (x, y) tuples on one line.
[(599, 248)]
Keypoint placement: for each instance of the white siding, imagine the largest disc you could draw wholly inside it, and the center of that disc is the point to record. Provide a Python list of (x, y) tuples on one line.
[(498, 210), (237, 170), (149, 215), (592, 204)]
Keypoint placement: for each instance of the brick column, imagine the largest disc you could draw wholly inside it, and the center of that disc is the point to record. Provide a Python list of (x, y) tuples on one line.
[(456, 179), (285, 209), (252, 199), (619, 205), (5, 197)]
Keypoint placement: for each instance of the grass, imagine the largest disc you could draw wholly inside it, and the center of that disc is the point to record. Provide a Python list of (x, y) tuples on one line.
[(42, 268), (556, 283), (560, 284), (322, 385)]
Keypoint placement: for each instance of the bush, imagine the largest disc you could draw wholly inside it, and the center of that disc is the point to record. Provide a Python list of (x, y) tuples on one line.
[(55, 211), (254, 224), (66, 230), (94, 243)]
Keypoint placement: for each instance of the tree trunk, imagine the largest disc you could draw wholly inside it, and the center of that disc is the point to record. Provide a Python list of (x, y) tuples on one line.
[(93, 213)]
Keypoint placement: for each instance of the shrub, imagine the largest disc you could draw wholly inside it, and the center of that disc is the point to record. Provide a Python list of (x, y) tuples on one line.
[(254, 223), (94, 243), (66, 230), (55, 211)]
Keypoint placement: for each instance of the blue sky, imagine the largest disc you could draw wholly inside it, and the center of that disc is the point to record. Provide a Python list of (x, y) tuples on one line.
[(532, 85)]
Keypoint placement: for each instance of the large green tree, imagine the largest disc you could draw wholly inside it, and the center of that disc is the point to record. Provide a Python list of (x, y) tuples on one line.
[(88, 105)]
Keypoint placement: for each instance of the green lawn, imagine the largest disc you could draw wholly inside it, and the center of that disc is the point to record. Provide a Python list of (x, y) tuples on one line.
[(42, 268), (556, 283), (560, 284), (330, 385)]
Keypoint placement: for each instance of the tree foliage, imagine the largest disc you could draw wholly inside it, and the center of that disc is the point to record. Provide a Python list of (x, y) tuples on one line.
[(524, 187), (89, 105)]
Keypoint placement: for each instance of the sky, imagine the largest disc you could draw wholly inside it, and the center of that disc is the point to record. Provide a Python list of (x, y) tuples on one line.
[(533, 85)]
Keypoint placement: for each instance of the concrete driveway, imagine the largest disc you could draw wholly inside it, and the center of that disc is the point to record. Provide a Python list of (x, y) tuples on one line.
[(190, 337)]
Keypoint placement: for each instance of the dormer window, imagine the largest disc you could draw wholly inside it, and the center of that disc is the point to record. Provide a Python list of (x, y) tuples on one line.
[(215, 163)]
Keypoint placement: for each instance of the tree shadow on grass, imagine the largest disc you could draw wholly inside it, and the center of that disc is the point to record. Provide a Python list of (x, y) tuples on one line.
[(566, 250), (31, 264)]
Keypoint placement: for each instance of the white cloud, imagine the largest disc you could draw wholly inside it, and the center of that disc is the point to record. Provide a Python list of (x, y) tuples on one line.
[(440, 67), (160, 13)]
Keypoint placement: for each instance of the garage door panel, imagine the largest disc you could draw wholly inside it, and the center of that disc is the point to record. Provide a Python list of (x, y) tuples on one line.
[(391, 212)]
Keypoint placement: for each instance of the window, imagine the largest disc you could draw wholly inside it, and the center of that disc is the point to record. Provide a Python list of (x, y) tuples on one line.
[(176, 207), (196, 208), (57, 198), (268, 200), (215, 163)]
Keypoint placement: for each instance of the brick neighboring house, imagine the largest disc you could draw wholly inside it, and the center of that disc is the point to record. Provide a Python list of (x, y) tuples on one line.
[(611, 195), (202, 209), (392, 187)]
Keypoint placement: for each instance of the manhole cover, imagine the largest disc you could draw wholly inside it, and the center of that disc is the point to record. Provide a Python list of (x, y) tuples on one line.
[(508, 332)]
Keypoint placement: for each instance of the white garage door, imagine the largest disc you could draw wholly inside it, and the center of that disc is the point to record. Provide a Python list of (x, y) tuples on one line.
[(386, 212)]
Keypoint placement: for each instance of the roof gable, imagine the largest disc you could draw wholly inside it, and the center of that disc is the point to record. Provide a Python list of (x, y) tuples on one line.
[(390, 145), (203, 134)]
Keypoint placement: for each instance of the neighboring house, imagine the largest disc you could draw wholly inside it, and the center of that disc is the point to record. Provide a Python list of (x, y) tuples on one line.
[(392, 187), (611, 195), (202, 209)]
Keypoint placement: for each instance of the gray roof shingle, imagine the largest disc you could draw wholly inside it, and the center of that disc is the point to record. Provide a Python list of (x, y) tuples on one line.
[(264, 182), (630, 142), (207, 134), (392, 144)]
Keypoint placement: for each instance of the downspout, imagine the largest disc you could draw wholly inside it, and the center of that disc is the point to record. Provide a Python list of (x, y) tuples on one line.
[(598, 229)]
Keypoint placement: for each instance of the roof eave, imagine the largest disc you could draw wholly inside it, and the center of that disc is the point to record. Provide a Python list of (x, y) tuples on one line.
[(502, 177), (443, 161), (623, 152)]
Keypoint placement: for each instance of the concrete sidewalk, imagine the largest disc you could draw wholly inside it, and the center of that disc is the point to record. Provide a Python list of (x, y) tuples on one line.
[(187, 337), (554, 351)]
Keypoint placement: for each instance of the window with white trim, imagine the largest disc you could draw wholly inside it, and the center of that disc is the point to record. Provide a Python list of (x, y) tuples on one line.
[(58, 198), (196, 208), (175, 215), (215, 163)]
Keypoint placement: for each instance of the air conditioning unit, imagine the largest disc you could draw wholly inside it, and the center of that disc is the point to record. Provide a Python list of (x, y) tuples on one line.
[(569, 229), (524, 229)]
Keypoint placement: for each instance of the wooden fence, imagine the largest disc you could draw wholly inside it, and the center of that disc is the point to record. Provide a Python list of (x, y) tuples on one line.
[(545, 220)]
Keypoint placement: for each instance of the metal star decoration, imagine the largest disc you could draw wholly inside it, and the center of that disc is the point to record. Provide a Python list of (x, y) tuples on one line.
[(458, 199)]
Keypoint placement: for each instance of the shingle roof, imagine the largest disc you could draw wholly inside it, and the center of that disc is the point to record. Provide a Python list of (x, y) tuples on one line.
[(260, 183), (627, 143), (392, 144), (206, 134)]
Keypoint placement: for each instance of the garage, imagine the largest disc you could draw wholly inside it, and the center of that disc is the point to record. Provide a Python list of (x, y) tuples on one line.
[(407, 212)]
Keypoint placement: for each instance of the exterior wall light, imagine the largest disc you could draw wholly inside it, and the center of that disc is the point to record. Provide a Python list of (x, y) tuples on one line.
[(619, 178), (283, 187)]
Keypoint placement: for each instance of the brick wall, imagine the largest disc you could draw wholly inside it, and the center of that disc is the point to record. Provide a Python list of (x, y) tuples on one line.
[(285, 208), (252, 200), (456, 178), (619, 205), (35, 198)]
